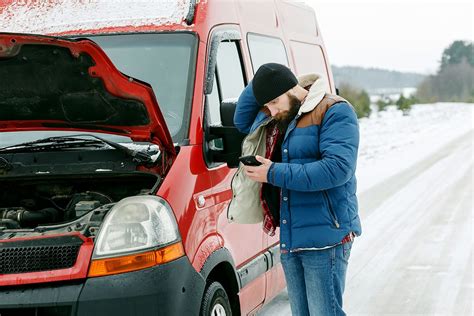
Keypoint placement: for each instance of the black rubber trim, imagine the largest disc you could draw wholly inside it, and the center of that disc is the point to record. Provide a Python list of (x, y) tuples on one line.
[(174, 288), (191, 13), (274, 252), (248, 272), (219, 256), (253, 269), (259, 265)]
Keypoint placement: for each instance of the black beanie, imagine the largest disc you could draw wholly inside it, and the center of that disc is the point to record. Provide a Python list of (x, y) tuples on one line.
[(272, 80)]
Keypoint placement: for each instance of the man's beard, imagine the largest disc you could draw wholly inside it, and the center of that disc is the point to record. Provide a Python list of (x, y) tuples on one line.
[(284, 120)]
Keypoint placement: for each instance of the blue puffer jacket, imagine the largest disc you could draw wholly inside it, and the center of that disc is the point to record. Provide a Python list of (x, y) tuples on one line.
[(317, 172)]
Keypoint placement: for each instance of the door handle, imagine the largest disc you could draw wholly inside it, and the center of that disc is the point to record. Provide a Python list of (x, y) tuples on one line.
[(201, 201)]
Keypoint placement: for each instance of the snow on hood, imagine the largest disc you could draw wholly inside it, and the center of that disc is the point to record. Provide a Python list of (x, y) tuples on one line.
[(59, 16), (151, 149)]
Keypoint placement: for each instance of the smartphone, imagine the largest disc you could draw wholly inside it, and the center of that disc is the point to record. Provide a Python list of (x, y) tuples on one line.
[(249, 161)]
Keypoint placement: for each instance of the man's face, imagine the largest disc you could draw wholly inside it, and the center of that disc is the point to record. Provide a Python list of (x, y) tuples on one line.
[(285, 107)]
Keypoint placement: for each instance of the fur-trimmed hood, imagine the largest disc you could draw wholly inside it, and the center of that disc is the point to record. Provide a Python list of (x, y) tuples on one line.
[(316, 92)]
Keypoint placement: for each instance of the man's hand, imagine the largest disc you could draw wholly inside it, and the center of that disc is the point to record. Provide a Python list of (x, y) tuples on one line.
[(258, 174)]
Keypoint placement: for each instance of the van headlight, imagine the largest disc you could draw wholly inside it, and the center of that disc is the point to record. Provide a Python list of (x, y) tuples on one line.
[(135, 224), (139, 232)]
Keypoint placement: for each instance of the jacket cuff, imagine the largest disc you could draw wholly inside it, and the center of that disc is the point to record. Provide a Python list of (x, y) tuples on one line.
[(274, 172)]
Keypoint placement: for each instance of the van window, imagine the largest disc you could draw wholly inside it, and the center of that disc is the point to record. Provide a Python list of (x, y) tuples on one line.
[(164, 60), (213, 100), (229, 70), (265, 49), (309, 58), (229, 79)]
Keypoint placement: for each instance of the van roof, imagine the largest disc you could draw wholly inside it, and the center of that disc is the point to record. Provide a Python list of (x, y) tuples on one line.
[(79, 16), (75, 17)]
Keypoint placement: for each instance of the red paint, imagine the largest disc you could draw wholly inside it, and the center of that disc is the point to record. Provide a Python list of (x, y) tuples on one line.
[(205, 249), (78, 271)]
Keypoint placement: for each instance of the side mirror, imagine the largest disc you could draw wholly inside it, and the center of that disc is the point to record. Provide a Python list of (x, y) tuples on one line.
[(227, 112), (227, 136)]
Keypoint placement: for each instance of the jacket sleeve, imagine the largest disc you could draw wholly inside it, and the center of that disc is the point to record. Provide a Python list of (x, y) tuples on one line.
[(338, 144), (246, 110)]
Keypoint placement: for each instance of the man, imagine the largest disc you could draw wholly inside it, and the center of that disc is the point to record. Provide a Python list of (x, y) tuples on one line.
[(315, 171)]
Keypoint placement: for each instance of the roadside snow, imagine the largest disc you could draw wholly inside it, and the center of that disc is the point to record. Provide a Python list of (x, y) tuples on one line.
[(45, 17), (391, 142)]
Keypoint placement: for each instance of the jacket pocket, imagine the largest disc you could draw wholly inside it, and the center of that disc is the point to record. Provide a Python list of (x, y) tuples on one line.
[(332, 214)]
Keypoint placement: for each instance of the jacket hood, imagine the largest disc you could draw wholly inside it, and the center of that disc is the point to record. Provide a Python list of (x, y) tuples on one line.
[(316, 92), (53, 83)]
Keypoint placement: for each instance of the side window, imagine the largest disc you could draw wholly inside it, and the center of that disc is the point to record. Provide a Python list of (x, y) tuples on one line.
[(213, 101), (228, 81), (229, 70), (265, 49), (309, 58)]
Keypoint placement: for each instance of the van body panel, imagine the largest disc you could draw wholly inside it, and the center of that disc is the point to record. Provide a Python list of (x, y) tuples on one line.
[(197, 190)]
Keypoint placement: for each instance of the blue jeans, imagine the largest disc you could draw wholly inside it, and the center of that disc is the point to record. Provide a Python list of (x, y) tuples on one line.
[(315, 280)]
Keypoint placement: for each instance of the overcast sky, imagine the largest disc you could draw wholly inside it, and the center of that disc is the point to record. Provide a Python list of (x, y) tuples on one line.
[(405, 35)]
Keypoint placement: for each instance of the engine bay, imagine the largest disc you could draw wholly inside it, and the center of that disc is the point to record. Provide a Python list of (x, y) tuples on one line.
[(65, 203)]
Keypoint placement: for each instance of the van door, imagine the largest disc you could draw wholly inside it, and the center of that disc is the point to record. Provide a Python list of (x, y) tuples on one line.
[(270, 49), (245, 242)]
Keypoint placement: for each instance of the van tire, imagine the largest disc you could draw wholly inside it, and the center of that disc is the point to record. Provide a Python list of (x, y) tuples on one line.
[(215, 300)]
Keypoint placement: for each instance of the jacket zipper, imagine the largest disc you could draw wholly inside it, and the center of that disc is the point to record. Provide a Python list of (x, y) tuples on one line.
[(331, 211)]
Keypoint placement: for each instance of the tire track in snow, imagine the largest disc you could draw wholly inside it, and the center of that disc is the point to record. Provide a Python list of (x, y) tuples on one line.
[(373, 197)]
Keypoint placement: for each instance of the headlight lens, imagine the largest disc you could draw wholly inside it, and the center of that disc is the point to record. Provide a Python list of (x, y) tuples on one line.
[(134, 224)]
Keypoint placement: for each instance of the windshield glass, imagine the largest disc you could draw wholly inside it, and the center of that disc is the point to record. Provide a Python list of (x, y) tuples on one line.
[(164, 60)]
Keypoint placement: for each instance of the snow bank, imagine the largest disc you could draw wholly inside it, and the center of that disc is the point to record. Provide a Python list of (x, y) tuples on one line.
[(391, 142), (56, 16)]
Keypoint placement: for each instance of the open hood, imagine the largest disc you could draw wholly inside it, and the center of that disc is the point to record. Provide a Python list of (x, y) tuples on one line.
[(49, 83)]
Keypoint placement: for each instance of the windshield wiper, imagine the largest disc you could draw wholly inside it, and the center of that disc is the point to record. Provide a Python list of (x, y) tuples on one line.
[(53, 143), (77, 141)]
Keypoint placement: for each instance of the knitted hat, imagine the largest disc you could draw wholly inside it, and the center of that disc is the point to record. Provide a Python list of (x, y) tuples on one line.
[(272, 80)]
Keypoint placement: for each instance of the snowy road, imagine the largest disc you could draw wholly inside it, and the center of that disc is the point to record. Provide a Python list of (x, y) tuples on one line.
[(415, 254)]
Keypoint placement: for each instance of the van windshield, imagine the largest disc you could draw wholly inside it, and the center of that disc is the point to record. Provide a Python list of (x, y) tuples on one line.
[(164, 60)]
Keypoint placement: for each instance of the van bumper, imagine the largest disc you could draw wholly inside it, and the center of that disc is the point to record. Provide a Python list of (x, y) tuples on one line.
[(174, 288)]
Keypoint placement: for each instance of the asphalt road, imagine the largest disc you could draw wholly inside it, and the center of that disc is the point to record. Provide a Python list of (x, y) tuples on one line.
[(415, 254)]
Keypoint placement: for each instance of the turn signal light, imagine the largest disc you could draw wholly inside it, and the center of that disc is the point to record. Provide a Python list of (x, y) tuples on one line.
[(139, 261)]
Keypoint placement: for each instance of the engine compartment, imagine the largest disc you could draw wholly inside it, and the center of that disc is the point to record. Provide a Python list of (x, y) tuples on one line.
[(57, 202)]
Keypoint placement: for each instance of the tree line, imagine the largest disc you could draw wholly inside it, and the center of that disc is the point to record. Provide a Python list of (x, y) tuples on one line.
[(453, 82)]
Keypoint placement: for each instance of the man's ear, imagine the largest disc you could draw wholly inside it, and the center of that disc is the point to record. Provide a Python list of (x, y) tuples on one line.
[(292, 92)]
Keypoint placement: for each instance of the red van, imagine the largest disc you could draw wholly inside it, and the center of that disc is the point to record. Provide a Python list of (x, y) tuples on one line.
[(116, 144)]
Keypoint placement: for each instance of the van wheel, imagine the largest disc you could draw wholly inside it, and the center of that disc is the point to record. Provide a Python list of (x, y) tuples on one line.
[(215, 301)]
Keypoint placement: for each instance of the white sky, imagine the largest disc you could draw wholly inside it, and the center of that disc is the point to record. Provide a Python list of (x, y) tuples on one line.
[(404, 35)]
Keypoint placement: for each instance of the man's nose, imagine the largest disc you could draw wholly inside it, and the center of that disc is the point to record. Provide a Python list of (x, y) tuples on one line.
[(273, 110)]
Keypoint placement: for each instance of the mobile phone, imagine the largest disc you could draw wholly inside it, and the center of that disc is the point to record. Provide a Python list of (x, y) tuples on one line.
[(249, 161)]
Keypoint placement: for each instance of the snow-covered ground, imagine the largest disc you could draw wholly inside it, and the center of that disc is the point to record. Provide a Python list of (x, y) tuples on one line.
[(391, 142), (415, 190)]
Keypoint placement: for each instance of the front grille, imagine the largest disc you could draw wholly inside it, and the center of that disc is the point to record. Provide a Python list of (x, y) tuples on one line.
[(39, 254), (37, 311)]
